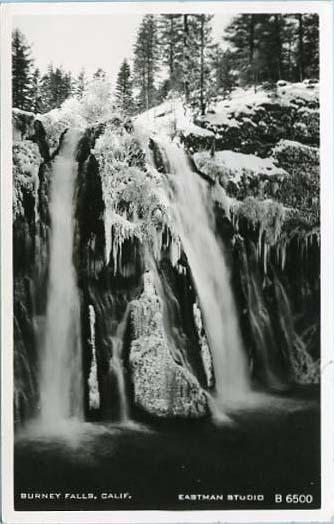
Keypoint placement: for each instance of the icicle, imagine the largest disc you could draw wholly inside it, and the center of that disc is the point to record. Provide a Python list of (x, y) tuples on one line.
[(203, 342), (283, 254), (223, 200), (121, 230), (107, 234), (157, 244), (36, 188), (94, 395)]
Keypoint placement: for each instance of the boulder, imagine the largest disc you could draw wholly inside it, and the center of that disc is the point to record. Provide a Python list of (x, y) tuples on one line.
[(162, 387)]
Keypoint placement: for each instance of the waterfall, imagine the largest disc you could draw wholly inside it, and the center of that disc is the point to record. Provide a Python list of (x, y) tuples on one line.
[(117, 369), (93, 384), (194, 221), (61, 368)]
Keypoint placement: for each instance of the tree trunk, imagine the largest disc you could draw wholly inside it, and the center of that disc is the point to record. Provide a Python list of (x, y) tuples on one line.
[(202, 100), (186, 57), (251, 45), (300, 47), (278, 46), (171, 50)]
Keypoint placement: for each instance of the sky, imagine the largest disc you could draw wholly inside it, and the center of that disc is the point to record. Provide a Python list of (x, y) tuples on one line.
[(89, 41)]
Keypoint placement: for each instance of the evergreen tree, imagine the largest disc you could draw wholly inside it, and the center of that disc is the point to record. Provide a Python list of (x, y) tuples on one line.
[(241, 35), (197, 57), (36, 94), (170, 41), (56, 87), (268, 47), (224, 75), (21, 71), (311, 44), (289, 47), (100, 74), (81, 83), (124, 88), (146, 61), (204, 45)]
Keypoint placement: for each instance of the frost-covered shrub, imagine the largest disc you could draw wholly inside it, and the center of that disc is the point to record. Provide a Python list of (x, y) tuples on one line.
[(95, 103), (268, 215), (131, 194), (26, 162), (289, 152), (306, 127), (301, 190), (57, 121)]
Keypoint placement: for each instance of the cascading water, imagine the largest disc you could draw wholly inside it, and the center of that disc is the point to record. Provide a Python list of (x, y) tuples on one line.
[(194, 221), (93, 384), (61, 369), (116, 367)]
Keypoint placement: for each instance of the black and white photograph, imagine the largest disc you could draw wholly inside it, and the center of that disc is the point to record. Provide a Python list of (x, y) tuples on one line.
[(167, 235)]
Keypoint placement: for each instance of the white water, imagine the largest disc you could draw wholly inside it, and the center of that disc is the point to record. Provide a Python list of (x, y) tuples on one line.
[(194, 221), (61, 375), (116, 367), (93, 384)]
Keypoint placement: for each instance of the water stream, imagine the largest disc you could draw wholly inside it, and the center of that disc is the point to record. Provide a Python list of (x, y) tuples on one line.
[(194, 221), (61, 367), (117, 369)]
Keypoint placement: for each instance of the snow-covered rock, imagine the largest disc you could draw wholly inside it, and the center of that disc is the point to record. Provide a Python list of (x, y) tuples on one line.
[(230, 166), (254, 120), (22, 124), (161, 386), (58, 120), (292, 153)]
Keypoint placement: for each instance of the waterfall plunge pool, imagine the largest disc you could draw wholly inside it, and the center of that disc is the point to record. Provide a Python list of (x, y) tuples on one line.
[(267, 449)]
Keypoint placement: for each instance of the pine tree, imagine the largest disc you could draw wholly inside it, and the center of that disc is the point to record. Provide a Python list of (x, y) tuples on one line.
[(289, 30), (241, 35), (81, 83), (170, 41), (124, 88), (268, 42), (146, 61), (100, 73), (223, 66), (197, 43), (36, 94), (56, 87), (205, 41), (269, 47), (21, 71), (311, 44)]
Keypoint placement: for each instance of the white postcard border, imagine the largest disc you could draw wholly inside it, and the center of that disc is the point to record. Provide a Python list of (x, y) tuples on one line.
[(326, 513)]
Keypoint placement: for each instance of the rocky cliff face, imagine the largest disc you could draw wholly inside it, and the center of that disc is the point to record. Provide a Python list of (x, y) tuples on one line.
[(252, 121), (31, 176), (259, 155), (123, 232)]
